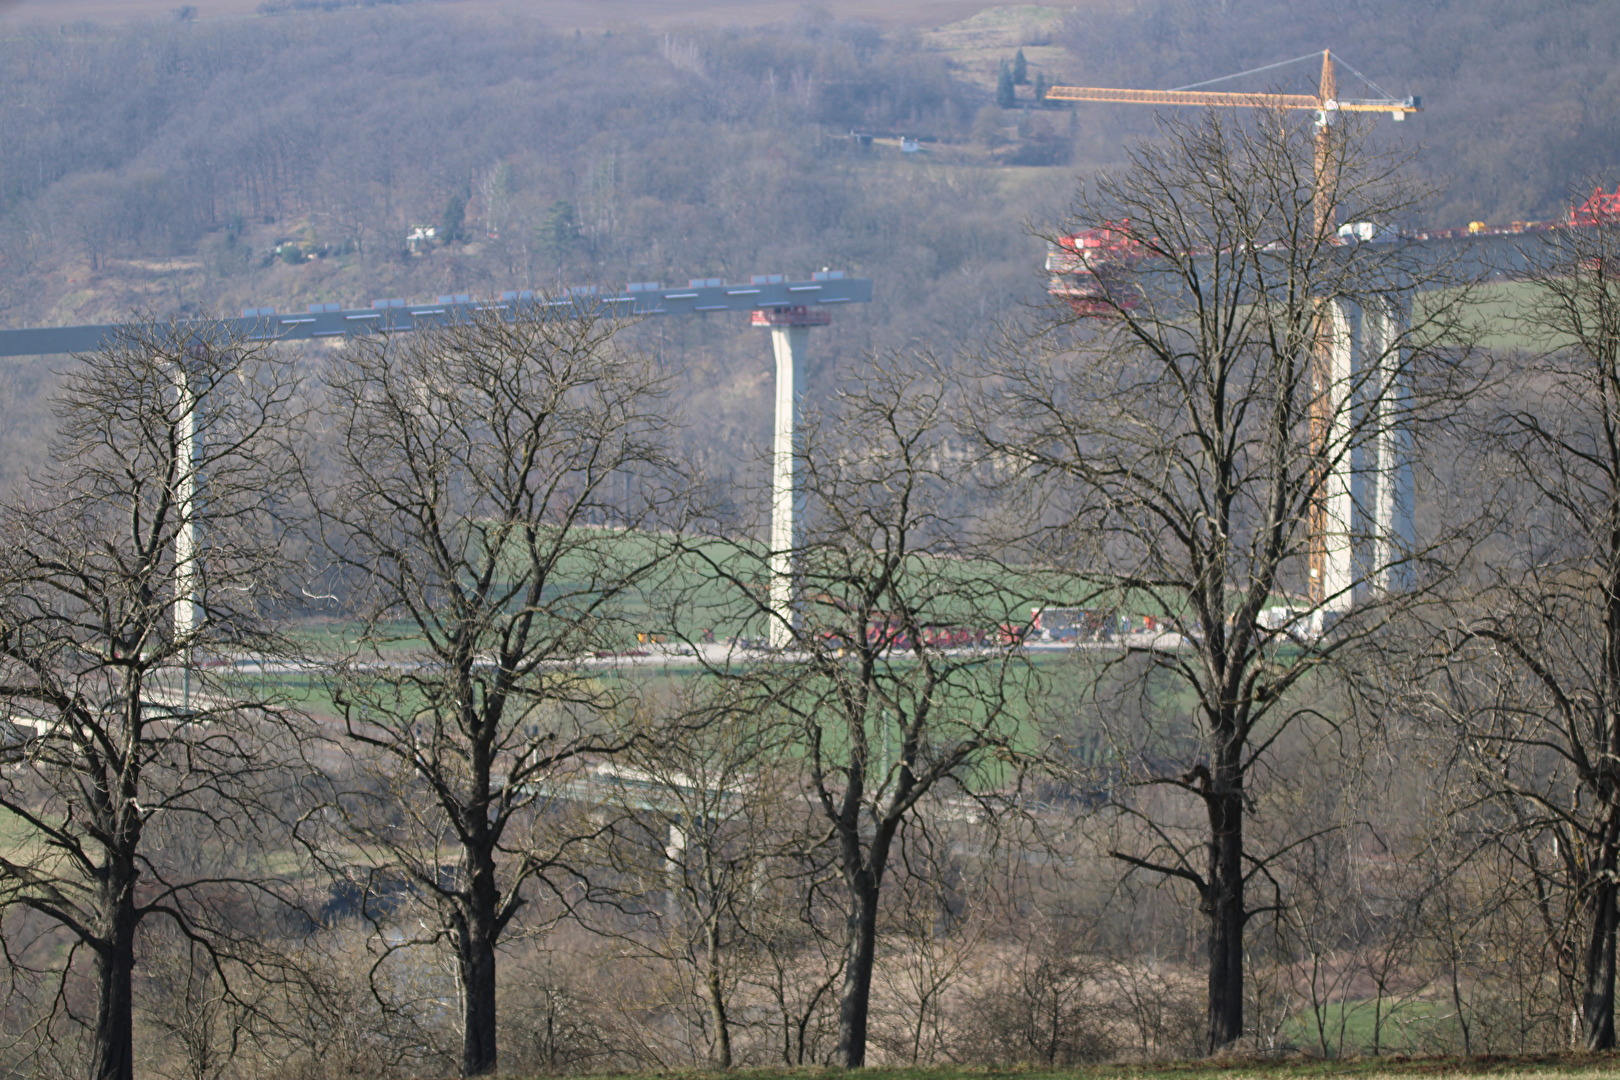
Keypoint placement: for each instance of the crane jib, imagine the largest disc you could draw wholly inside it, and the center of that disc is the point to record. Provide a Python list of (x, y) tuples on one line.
[(1218, 98)]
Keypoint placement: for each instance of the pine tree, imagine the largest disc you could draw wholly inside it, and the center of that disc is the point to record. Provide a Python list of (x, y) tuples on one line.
[(1006, 90), (1040, 87), (1020, 70), (453, 225), (560, 233)]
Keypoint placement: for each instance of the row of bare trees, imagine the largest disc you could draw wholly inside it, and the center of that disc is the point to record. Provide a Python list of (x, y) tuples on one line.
[(346, 713)]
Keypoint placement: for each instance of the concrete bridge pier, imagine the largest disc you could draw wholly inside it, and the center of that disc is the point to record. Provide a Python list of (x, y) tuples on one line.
[(1365, 526), (790, 337)]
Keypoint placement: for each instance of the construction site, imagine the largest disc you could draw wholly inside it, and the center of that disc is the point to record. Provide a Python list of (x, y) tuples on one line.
[(892, 545)]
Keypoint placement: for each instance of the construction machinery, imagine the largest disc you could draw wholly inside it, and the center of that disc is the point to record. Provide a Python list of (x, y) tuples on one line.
[(1092, 269), (1325, 103), (1102, 258)]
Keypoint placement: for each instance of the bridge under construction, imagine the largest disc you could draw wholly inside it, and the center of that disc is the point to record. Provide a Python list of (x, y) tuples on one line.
[(1364, 518), (788, 308)]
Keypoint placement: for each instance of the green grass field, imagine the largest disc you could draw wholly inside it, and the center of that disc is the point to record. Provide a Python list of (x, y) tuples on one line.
[(15, 834), (1499, 317), (1346, 1028)]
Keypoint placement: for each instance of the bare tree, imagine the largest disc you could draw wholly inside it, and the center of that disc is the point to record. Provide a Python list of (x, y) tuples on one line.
[(1532, 675), (1222, 451), (942, 914), (800, 945), (149, 546), (188, 1009), (897, 686), (699, 815), (478, 468)]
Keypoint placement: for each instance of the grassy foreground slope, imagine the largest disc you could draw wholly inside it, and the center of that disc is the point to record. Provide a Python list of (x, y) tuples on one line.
[(1498, 1067)]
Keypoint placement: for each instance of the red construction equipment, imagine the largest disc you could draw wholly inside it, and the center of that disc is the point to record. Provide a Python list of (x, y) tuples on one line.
[(1600, 208), (797, 315), (1093, 270)]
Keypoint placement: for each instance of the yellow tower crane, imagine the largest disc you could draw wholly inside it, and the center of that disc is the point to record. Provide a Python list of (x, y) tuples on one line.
[(1326, 104), (1326, 100)]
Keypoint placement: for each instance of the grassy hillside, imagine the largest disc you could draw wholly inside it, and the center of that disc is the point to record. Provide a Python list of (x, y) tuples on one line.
[(1574, 1066)]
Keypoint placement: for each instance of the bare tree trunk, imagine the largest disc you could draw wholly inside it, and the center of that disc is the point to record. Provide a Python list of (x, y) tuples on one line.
[(102, 607), (720, 1054), (113, 1054), (874, 695), (1597, 993), (476, 963), (1192, 446), (527, 424), (1223, 903), (856, 1004)]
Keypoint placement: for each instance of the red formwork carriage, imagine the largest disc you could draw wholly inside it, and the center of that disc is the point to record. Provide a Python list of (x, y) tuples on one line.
[(1599, 208), (892, 633), (1094, 270)]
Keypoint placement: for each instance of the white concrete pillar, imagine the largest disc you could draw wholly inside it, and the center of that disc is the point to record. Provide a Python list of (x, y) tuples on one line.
[(1337, 540), (187, 610), (1392, 526), (675, 851), (788, 342)]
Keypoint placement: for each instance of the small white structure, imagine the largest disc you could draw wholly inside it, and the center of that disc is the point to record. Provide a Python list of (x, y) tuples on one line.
[(1367, 232), (420, 238)]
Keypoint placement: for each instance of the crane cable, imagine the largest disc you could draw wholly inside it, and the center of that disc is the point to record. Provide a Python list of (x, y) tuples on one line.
[(1285, 63), (1346, 64)]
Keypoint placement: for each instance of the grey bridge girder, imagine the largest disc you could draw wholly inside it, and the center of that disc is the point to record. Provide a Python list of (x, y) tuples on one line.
[(399, 317)]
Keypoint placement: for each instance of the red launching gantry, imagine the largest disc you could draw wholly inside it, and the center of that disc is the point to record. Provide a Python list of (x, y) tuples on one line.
[(1600, 208), (1093, 270)]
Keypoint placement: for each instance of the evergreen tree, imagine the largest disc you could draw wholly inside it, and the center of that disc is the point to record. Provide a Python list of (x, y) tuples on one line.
[(1020, 70), (1006, 92), (560, 233), (1041, 87), (453, 225)]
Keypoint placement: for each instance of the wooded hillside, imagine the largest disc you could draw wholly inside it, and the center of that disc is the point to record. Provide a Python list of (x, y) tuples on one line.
[(183, 165)]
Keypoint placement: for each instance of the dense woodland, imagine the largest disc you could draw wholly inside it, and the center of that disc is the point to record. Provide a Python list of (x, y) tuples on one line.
[(161, 166), (339, 741)]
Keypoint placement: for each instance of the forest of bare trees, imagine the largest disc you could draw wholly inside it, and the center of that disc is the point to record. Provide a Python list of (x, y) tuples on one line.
[(196, 166)]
